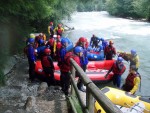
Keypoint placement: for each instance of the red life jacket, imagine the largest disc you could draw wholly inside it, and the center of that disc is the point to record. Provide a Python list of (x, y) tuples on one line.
[(59, 31), (116, 70), (67, 65), (110, 50), (130, 80), (45, 62)]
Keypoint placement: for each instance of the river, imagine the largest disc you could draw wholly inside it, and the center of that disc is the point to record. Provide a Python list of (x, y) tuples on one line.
[(126, 34)]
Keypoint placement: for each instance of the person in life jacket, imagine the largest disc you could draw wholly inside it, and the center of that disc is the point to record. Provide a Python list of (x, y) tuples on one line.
[(110, 51), (132, 57), (66, 68), (58, 47), (132, 81), (118, 68), (31, 58), (82, 42), (48, 67), (50, 44), (51, 29), (57, 39), (94, 41), (63, 51), (28, 40), (59, 30), (104, 43)]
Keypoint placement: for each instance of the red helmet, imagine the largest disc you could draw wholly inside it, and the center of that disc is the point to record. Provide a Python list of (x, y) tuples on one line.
[(58, 45), (82, 39), (47, 51), (51, 23), (51, 41)]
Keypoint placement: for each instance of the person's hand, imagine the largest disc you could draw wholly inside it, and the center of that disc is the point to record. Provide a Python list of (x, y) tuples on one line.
[(34, 62), (106, 75), (129, 93)]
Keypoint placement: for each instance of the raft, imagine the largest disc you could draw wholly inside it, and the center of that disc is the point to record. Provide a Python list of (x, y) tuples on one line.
[(122, 98), (96, 70)]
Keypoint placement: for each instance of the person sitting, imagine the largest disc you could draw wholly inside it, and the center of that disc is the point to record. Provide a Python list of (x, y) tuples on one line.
[(118, 69), (132, 81), (110, 51)]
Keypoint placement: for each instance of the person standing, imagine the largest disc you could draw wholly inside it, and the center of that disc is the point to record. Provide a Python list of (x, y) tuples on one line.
[(59, 30), (118, 69), (110, 51), (132, 57), (51, 29), (48, 67), (132, 81), (31, 58), (83, 60)]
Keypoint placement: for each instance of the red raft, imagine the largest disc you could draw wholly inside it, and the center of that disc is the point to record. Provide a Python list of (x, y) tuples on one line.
[(96, 70)]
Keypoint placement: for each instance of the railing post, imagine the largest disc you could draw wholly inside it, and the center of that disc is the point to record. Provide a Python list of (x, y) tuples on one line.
[(89, 101), (73, 75)]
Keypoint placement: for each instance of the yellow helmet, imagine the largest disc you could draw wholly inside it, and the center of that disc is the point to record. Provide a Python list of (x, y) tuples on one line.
[(32, 35)]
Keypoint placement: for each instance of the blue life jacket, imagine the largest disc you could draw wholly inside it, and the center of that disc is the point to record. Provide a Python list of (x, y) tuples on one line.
[(63, 52), (30, 53)]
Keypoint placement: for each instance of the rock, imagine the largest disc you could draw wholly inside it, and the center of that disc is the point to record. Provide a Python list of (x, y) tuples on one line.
[(30, 103), (8, 111), (42, 88)]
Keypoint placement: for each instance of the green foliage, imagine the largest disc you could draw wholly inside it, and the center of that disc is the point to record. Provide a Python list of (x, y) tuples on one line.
[(21, 17), (90, 5), (129, 8)]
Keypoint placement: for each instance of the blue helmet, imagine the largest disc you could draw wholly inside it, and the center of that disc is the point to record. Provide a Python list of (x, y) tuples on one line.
[(119, 59), (31, 40), (78, 49), (102, 39), (63, 41), (133, 52), (40, 41)]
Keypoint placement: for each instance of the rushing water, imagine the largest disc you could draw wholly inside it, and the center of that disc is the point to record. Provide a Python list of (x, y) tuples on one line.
[(126, 34)]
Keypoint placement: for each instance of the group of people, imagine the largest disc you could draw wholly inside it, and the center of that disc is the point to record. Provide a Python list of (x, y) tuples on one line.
[(133, 79), (38, 47), (55, 49)]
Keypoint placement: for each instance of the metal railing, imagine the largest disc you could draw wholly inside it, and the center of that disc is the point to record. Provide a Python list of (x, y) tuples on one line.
[(92, 92)]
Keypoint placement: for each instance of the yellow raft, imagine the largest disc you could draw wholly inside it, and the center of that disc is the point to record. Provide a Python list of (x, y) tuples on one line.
[(122, 98)]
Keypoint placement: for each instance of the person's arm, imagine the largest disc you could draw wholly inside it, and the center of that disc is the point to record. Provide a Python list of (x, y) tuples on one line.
[(136, 85), (137, 62), (109, 71)]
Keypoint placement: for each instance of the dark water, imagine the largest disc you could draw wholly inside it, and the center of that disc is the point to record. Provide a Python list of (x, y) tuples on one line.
[(126, 34)]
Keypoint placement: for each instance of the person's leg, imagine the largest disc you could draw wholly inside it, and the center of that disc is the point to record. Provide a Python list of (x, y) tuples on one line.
[(118, 81), (67, 83)]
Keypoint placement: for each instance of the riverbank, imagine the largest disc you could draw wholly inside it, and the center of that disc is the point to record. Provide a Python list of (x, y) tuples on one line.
[(19, 95)]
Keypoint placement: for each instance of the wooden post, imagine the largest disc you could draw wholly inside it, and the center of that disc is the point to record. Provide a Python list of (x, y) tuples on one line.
[(73, 76), (89, 101)]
